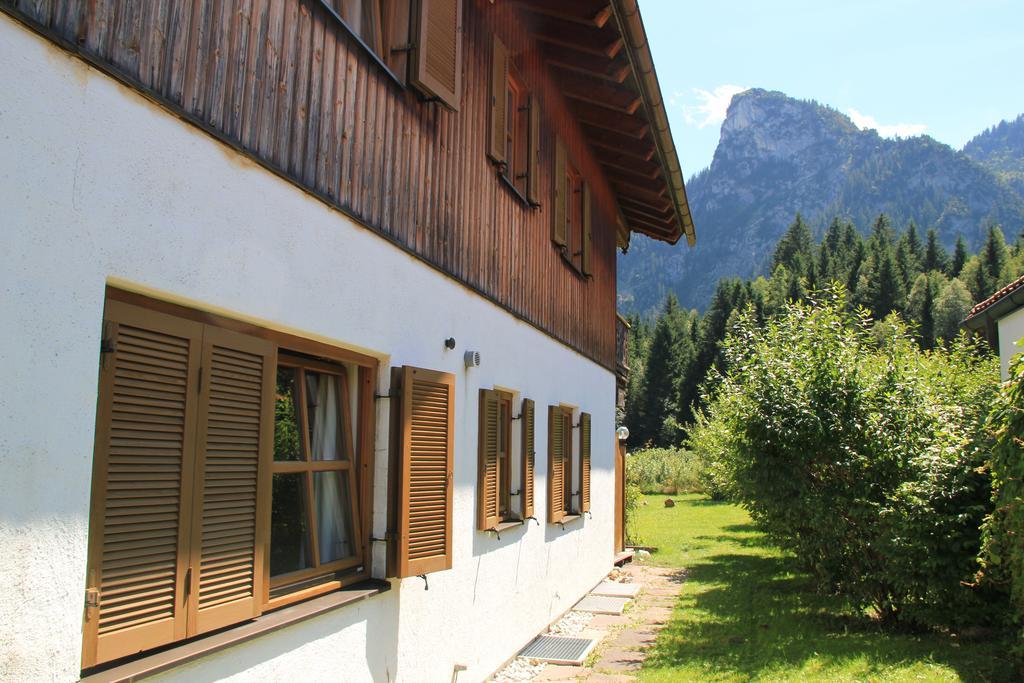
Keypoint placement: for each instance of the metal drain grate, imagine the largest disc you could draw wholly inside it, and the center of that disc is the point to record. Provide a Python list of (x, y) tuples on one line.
[(600, 604), (616, 589), (559, 650)]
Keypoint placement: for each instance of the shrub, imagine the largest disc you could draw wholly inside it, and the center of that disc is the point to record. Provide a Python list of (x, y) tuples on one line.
[(860, 453), (663, 470), (1002, 559)]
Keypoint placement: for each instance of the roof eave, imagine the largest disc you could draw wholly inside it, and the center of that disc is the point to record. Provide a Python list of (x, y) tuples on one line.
[(627, 14)]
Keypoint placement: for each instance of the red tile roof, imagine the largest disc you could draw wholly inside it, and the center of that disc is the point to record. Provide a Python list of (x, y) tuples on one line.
[(998, 296)]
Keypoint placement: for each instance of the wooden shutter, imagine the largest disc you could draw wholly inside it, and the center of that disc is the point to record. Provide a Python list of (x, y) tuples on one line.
[(556, 465), (585, 260), (235, 434), (437, 60), (561, 197), (142, 488), (584, 462), (533, 153), (487, 463), (499, 102), (425, 484), (529, 457)]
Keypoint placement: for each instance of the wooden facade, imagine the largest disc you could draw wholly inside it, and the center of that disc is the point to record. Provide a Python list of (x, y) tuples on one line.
[(286, 83)]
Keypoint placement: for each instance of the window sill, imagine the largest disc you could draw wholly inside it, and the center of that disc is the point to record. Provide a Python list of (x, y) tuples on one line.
[(569, 519), (179, 654), (515, 190), (564, 253)]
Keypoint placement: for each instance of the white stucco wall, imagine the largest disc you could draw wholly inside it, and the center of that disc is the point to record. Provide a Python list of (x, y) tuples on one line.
[(98, 183), (1011, 331)]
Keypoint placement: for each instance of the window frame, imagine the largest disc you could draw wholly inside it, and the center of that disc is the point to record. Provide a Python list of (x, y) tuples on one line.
[(335, 575), (395, 63), (308, 467), (572, 252)]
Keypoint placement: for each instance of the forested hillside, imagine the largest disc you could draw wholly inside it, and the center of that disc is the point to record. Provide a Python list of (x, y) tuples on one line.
[(890, 271)]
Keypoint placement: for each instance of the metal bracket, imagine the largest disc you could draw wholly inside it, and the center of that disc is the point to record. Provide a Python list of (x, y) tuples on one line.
[(377, 396), (107, 345), (426, 584), (533, 518), (495, 531)]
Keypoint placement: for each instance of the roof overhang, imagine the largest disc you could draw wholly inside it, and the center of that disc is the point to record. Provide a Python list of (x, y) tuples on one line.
[(600, 57)]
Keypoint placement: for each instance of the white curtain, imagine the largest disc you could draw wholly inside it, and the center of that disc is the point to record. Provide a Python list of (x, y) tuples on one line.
[(331, 506)]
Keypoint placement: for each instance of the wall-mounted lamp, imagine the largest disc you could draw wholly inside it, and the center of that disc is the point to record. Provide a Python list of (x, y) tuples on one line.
[(622, 433), (449, 343), (472, 359)]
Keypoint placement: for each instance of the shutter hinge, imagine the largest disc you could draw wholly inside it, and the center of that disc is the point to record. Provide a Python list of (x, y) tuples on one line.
[(533, 518), (92, 598), (107, 345)]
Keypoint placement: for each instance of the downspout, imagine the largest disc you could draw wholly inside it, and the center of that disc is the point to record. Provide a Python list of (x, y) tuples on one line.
[(631, 27)]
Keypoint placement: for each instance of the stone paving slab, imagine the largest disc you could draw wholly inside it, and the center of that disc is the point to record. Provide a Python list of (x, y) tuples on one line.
[(617, 589), (605, 621), (599, 604)]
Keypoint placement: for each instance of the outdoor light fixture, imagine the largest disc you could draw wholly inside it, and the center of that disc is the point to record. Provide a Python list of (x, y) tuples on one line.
[(622, 433), (449, 343)]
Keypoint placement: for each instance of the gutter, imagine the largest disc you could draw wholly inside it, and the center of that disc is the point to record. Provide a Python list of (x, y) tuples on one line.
[(627, 14)]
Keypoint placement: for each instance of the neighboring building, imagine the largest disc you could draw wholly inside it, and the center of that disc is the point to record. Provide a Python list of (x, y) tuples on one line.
[(1000, 320), (311, 350)]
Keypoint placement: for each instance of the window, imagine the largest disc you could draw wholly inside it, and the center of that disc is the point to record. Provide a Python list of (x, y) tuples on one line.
[(515, 127), (313, 510), (225, 478), (564, 499), (431, 59), (499, 500), (571, 229)]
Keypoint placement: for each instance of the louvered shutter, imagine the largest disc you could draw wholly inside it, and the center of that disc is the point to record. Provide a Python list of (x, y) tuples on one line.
[(425, 484), (556, 465), (499, 102), (585, 260), (487, 463), (139, 536), (561, 192), (529, 457), (533, 153), (235, 435), (584, 462), (437, 60)]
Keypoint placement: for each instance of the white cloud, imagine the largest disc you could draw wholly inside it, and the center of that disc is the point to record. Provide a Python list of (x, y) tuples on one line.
[(711, 105), (903, 130)]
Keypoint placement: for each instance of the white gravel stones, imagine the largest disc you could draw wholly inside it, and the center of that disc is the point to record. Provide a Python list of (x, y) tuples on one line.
[(571, 624), (519, 669)]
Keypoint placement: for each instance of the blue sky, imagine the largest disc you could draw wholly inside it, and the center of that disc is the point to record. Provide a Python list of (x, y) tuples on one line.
[(945, 68)]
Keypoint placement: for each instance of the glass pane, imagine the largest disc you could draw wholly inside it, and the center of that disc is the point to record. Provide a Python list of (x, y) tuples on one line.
[(333, 515), (290, 546), (323, 401), (286, 422)]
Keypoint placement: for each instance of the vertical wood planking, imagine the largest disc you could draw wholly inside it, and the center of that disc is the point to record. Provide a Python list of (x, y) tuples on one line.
[(284, 81)]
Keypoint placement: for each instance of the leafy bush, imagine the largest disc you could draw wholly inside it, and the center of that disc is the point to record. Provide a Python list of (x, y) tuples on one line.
[(1003, 555), (860, 453), (663, 470)]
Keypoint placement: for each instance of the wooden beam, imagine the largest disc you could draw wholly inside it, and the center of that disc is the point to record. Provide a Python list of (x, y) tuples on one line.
[(600, 42), (648, 215), (600, 94), (630, 176), (619, 144), (642, 194), (630, 125), (615, 70), (628, 163), (586, 12), (663, 207)]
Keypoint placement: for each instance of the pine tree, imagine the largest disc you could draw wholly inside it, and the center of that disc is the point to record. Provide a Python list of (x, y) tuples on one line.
[(795, 249), (914, 250), (959, 257), (665, 365), (994, 258), (935, 255)]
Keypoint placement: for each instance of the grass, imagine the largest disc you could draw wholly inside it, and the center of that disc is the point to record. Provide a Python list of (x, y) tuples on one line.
[(747, 613)]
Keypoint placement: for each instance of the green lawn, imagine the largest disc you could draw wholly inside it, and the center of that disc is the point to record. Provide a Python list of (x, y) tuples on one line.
[(745, 613)]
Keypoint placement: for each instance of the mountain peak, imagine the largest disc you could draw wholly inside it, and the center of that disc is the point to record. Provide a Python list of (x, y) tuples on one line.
[(778, 156)]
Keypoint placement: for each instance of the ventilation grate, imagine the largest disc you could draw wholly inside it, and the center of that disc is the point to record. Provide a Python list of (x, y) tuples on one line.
[(558, 650), (617, 590), (599, 604)]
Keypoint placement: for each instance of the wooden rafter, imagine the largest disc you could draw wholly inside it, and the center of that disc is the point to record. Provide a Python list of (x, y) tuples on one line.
[(599, 66), (600, 42), (586, 12)]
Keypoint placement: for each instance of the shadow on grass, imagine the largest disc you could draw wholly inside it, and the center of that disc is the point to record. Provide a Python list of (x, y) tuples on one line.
[(755, 614)]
